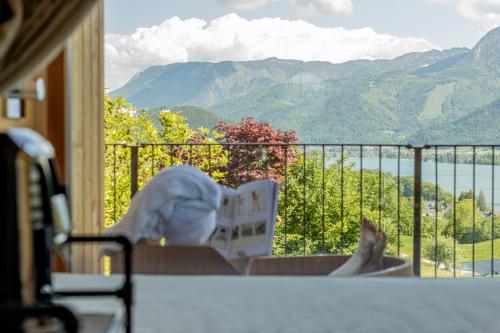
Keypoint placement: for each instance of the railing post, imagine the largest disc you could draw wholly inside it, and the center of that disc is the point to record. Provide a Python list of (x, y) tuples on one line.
[(134, 168), (417, 209)]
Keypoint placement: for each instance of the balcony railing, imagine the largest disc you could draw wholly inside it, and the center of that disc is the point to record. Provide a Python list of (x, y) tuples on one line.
[(436, 202)]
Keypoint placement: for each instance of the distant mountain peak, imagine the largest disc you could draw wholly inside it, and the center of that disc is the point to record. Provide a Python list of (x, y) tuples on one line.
[(491, 36), (488, 48)]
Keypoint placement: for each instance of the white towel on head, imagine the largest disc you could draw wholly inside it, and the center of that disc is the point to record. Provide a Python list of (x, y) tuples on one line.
[(179, 203)]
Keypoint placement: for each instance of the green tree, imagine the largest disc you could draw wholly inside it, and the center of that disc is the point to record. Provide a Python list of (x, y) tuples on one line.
[(173, 142), (481, 202), (123, 124), (322, 216), (308, 205), (442, 253), (466, 195), (470, 224), (445, 198)]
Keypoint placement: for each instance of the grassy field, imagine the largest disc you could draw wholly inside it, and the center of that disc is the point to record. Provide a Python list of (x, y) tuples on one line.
[(464, 254), (427, 269), (482, 251), (435, 100), (464, 251)]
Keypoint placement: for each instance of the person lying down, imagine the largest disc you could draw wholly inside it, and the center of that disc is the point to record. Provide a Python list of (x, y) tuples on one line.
[(369, 255), (181, 204)]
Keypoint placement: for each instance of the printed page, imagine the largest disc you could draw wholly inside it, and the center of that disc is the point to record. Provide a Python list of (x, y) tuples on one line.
[(221, 239), (254, 214)]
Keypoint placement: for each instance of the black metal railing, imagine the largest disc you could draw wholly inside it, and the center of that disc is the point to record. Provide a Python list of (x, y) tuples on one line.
[(425, 198)]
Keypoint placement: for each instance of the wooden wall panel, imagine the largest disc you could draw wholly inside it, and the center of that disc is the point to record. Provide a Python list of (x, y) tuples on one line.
[(55, 103), (86, 102), (71, 117)]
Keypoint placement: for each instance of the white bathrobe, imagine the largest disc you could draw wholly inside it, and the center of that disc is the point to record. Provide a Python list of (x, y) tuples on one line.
[(179, 203)]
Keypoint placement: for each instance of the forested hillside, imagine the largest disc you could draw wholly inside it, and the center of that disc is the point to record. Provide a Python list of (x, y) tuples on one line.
[(414, 98), (481, 126), (195, 117)]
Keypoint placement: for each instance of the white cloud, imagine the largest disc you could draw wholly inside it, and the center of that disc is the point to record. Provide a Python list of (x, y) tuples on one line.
[(308, 8), (485, 12), (304, 8), (242, 4), (231, 37)]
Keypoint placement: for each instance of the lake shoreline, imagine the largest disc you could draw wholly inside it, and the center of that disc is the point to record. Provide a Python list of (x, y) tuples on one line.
[(454, 178)]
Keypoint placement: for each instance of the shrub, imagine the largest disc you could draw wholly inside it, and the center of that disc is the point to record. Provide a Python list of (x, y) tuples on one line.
[(442, 254)]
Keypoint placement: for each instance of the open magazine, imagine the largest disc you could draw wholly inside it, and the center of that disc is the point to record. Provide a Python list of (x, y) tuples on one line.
[(245, 222)]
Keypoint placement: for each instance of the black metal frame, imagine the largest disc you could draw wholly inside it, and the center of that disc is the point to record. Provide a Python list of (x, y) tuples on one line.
[(419, 154), (125, 292)]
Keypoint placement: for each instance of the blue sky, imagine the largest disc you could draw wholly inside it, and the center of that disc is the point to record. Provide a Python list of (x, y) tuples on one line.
[(440, 23), (143, 33)]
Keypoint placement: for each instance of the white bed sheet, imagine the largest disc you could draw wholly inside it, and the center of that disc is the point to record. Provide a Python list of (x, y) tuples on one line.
[(302, 304)]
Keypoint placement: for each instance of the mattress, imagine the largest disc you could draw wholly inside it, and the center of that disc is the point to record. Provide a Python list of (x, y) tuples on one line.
[(300, 304)]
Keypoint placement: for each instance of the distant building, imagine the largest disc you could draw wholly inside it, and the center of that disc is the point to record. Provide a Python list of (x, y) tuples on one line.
[(487, 214)]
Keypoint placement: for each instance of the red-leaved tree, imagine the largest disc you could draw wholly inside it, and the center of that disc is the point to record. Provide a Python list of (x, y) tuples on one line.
[(256, 151)]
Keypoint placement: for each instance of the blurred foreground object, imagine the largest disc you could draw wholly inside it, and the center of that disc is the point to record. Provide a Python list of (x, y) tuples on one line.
[(31, 31)]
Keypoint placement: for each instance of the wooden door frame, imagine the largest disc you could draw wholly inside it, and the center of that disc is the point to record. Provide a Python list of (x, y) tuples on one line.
[(85, 133)]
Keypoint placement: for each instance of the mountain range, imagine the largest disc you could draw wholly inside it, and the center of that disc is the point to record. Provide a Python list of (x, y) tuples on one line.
[(438, 96)]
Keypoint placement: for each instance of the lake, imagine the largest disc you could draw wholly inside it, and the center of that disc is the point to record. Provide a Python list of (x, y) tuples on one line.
[(482, 267), (445, 175)]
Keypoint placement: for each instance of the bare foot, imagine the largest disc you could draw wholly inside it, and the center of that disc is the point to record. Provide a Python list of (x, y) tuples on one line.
[(376, 262), (355, 263), (368, 232), (242, 264)]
